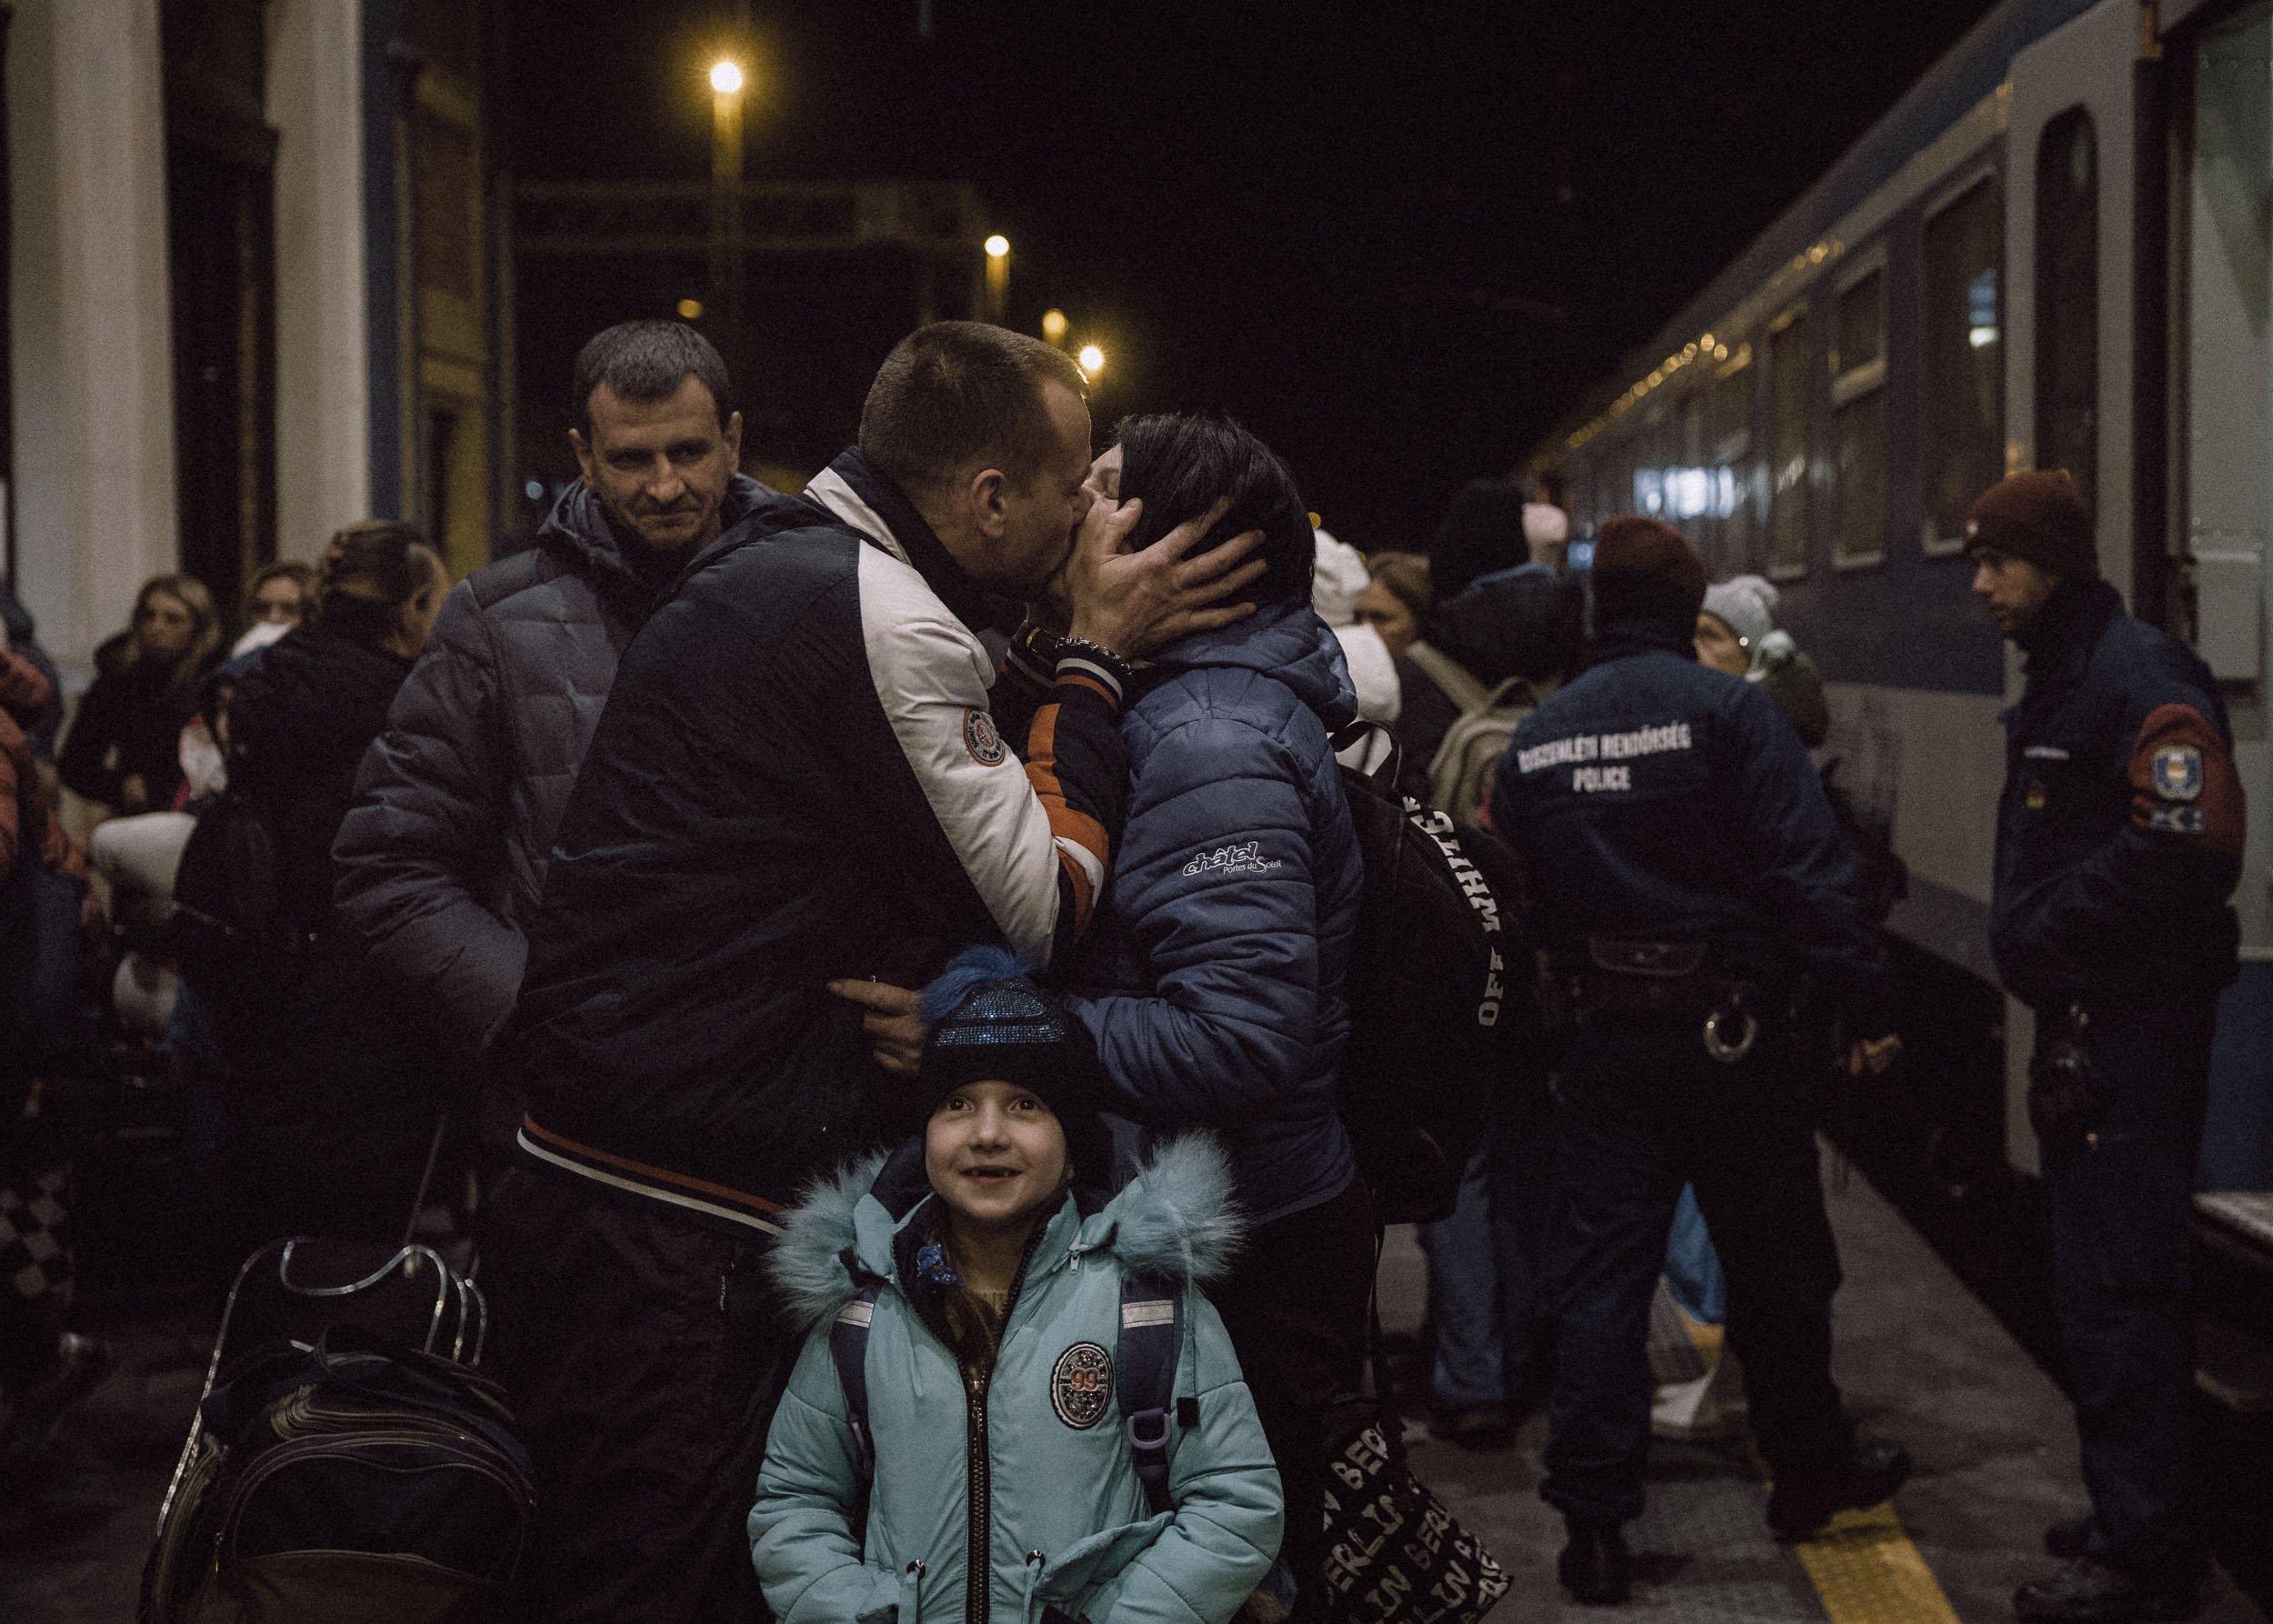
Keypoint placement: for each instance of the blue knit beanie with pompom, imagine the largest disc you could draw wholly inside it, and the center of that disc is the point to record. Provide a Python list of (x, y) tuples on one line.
[(989, 1022)]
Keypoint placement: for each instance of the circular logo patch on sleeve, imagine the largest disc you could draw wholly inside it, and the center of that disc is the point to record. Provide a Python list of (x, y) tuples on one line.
[(981, 739), (2179, 772), (1082, 1385)]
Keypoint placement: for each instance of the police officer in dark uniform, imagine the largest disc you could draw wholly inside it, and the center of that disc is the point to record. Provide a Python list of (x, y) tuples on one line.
[(2118, 841), (1695, 895)]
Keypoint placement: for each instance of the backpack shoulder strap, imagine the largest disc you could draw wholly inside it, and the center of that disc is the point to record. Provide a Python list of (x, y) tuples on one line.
[(849, 1347), (1514, 693), (1451, 676), (1152, 1331)]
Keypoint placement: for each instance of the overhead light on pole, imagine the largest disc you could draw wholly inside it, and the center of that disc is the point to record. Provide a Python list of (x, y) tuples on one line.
[(1054, 326), (1091, 359), (725, 206), (998, 277)]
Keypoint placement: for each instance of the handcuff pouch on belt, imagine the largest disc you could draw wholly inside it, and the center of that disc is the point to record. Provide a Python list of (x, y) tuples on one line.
[(2068, 1105), (1631, 976)]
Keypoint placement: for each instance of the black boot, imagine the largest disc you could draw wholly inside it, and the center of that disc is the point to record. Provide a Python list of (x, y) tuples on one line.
[(1804, 1500), (1595, 1566), (2089, 1591)]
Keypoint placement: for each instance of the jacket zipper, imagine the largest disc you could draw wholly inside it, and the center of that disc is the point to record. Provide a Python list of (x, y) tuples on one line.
[(977, 1591), (975, 1588)]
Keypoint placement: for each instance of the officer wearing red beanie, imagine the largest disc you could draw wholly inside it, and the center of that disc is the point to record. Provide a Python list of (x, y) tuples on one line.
[(2118, 841), (1695, 893)]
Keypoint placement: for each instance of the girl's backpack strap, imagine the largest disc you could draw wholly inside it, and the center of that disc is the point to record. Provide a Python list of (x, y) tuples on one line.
[(849, 1347), (1152, 1334)]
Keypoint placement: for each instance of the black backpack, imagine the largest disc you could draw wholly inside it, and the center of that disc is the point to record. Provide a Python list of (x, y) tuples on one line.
[(235, 930), (352, 1481), (1438, 981)]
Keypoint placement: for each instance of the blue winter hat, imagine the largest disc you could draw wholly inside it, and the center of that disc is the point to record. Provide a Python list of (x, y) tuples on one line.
[(989, 1022)]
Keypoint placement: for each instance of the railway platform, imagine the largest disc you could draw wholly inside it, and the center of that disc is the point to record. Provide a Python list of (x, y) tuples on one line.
[(1918, 1356)]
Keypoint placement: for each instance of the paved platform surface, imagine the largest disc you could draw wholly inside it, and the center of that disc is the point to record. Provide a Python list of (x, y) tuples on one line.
[(1919, 1357), (1920, 1360)]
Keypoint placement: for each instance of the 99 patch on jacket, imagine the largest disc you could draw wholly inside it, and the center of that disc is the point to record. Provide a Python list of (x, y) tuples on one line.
[(1081, 1384)]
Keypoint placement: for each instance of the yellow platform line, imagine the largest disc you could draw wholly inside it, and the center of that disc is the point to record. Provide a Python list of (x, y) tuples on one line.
[(1867, 1571)]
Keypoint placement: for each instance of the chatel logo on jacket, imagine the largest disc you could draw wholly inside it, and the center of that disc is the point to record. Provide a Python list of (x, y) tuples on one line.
[(1243, 858)]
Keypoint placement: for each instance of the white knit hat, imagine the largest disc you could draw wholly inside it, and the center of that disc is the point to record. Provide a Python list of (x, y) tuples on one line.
[(1746, 605), (1372, 673), (1341, 576)]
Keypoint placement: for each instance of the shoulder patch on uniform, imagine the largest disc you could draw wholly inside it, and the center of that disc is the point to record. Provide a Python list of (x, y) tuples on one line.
[(2179, 772), (2183, 781), (1081, 1384), (982, 740)]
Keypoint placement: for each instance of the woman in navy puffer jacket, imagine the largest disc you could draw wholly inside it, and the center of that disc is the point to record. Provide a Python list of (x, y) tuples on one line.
[(1212, 981)]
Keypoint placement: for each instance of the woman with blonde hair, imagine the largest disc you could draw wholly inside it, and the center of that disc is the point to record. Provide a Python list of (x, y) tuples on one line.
[(123, 749)]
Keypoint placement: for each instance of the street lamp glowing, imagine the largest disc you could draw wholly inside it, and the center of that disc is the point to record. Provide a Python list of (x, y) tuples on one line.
[(1054, 325), (725, 77), (999, 247), (1092, 359), (691, 309)]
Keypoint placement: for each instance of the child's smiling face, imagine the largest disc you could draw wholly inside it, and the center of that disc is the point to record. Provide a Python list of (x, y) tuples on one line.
[(996, 1155)]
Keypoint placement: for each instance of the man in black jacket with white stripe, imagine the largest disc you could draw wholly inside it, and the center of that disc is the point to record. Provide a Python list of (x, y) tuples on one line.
[(797, 790)]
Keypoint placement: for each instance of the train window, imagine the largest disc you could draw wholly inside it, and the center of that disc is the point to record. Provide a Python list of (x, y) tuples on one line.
[(1862, 325), (1788, 374), (2225, 196), (1730, 458), (2067, 300), (1859, 430), (1964, 360), (1858, 419)]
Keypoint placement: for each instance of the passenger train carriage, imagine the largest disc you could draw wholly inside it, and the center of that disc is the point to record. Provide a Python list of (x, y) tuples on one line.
[(2053, 252)]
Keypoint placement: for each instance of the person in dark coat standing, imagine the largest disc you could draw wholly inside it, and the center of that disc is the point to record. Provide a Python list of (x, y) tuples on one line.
[(2118, 842), (1693, 887), (442, 857), (331, 1103), (123, 750), (1213, 983)]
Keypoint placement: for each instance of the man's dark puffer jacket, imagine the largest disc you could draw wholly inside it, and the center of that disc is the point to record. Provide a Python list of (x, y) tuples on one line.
[(441, 860)]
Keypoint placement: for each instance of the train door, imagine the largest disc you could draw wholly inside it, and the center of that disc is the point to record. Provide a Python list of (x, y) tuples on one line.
[(2071, 281), (2068, 219), (2219, 61)]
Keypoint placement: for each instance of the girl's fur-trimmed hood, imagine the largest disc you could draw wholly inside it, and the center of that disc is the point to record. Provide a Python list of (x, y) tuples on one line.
[(1175, 1220)]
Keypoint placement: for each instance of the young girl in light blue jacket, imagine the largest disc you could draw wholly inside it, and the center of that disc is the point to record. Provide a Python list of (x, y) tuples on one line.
[(988, 1269)]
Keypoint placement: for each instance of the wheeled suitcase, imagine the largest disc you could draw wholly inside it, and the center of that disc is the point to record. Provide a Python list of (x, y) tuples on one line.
[(347, 1461)]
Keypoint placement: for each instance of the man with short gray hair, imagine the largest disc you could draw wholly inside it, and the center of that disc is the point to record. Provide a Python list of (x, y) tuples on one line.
[(440, 859)]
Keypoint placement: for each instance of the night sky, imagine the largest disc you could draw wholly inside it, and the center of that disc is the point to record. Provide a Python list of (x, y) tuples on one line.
[(1397, 244)]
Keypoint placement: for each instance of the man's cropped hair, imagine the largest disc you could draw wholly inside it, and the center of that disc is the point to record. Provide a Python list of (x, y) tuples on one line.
[(960, 395), (1182, 466), (647, 360)]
